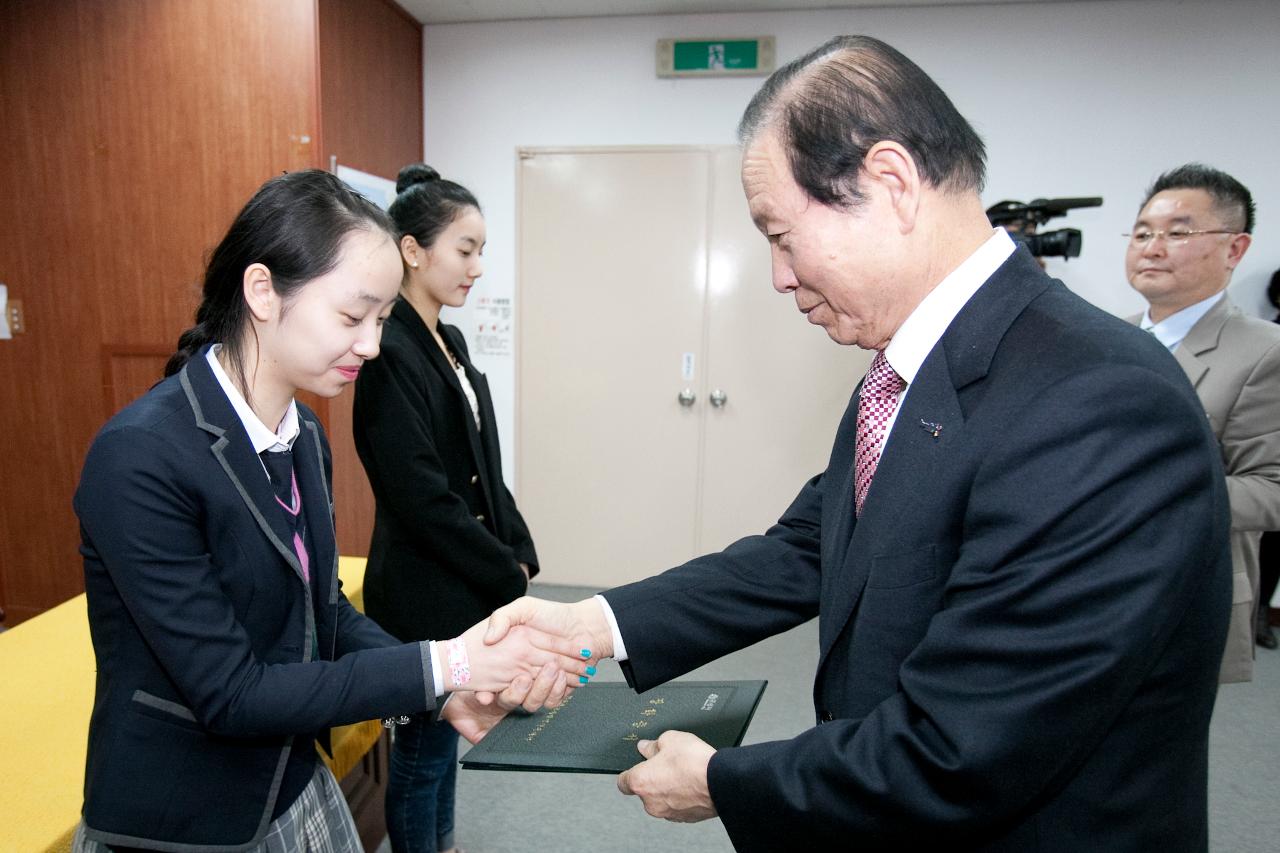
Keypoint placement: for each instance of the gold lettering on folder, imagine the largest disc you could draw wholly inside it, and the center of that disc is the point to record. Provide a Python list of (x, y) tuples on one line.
[(546, 720)]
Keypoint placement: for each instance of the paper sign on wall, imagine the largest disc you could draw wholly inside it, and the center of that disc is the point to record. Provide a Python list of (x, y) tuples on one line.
[(493, 317), (5, 334)]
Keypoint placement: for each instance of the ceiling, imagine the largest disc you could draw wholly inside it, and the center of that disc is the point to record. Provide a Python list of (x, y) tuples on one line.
[(460, 11)]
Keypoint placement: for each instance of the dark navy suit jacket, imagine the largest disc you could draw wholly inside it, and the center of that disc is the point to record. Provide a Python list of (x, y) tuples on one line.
[(203, 627), (1019, 638)]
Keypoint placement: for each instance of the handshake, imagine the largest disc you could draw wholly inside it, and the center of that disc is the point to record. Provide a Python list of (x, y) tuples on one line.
[(529, 654), (532, 653)]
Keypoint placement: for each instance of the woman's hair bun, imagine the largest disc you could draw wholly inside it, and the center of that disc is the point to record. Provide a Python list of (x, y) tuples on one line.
[(414, 174)]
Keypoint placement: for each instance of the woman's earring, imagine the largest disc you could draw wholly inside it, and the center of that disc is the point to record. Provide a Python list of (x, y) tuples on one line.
[(414, 265)]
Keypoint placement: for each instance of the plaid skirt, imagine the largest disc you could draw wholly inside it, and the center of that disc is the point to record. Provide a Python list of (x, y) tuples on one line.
[(319, 821)]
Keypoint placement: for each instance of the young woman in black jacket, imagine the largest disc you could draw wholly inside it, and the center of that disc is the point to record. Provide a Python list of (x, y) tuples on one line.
[(449, 545)]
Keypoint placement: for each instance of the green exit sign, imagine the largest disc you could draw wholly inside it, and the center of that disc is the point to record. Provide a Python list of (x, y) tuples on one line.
[(715, 57)]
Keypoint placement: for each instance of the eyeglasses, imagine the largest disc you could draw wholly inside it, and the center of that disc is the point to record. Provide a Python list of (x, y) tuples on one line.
[(1172, 237)]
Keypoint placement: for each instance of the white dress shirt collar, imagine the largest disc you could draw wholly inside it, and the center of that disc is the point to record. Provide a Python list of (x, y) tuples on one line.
[(925, 326), (260, 435), (1172, 329)]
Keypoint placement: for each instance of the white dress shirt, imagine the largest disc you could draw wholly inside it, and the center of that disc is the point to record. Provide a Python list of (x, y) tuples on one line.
[(912, 343), (261, 436), (1172, 329), (469, 392), (925, 326)]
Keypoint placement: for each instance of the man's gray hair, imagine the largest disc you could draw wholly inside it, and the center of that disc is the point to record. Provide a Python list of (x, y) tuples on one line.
[(833, 104)]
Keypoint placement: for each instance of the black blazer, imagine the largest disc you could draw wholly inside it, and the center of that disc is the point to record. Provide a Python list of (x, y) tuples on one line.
[(447, 537), (203, 627), (1010, 659)]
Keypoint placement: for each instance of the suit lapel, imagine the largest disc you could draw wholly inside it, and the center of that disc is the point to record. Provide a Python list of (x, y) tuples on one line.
[(308, 462), (899, 492), (838, 521), (913, 452), (439, 362), (1191, 365), (1202, 338), (412, 320), (480, 444), (231, 447)]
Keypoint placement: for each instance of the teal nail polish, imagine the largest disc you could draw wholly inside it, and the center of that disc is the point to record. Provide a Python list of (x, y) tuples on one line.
[(582, 679), (586, 653), (591, 670)]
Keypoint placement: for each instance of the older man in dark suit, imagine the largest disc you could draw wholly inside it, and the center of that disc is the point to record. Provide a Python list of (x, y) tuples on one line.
[(1017, 553)]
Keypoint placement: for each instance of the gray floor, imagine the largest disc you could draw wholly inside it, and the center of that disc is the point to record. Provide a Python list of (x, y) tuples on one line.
[(500, 812)]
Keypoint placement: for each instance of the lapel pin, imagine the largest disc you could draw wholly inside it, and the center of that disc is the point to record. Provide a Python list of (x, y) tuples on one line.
[(930, 427)]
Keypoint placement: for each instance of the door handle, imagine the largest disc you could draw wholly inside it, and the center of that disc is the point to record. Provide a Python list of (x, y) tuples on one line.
[(687, 397), (718, 398)]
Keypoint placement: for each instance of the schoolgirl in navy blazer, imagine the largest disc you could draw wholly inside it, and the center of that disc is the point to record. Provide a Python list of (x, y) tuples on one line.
[(225, 647)]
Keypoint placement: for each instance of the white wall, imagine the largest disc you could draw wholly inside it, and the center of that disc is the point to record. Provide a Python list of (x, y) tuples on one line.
[(1073, 99)]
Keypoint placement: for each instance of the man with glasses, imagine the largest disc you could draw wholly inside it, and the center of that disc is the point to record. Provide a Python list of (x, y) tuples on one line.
[(1192, 231)]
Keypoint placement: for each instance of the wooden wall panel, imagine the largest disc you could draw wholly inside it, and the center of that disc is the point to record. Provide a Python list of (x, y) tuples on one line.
[(370, 85), (371, 120), (128, 372), (132, 133)]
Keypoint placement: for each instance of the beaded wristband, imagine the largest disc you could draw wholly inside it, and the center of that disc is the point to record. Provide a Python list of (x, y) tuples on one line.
[(459, 663)]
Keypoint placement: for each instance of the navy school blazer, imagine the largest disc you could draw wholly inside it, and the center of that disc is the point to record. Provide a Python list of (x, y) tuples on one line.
[(1019, 638), (203, 627)]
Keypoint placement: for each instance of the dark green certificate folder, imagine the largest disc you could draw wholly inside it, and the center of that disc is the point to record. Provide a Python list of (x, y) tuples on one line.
[(595, 730)]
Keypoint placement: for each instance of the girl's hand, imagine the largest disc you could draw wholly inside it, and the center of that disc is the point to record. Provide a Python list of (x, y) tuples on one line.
[(470, 664)]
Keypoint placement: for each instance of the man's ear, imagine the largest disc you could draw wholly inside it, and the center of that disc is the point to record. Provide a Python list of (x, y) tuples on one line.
[(891, 167), (1236, 248), (259, 293)]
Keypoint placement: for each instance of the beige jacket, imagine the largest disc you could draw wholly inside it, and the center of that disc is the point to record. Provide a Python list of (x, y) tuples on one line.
[(1233, 361)]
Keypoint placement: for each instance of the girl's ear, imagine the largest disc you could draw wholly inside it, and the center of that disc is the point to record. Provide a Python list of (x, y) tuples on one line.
[(413, 254), (259, 294)]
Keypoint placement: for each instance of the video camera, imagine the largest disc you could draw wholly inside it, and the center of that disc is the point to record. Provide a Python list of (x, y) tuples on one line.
[(1021, 221)]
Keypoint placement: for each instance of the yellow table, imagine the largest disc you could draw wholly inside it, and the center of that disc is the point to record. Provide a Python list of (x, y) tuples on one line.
[(47, 673)]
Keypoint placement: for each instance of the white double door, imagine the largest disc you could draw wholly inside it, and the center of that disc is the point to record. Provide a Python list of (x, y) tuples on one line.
[(642, 280)]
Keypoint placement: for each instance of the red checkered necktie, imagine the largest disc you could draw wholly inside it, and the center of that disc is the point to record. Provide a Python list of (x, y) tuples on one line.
[(876, 404)]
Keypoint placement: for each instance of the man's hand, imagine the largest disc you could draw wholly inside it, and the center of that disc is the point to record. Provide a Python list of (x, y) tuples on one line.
[(583, 622), (521, 651), (672, 781), (473, 718)]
